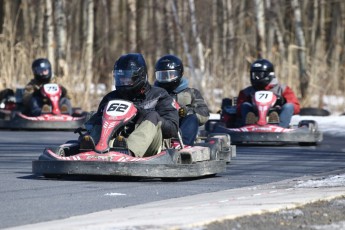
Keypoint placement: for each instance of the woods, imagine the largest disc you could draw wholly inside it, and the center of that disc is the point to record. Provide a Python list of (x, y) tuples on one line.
[(216, 39)]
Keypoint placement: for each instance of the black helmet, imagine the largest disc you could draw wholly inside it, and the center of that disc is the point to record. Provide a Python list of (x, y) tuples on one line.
[(42, 70), (168, 72), (130, 74), (261, 73)]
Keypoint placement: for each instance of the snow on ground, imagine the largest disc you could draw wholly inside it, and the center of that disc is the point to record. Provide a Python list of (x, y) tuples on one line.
[(331, 125), (331, 181)]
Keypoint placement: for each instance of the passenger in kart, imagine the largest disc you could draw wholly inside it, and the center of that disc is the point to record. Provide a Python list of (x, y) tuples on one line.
[(157, 117), (33, 101), (193, 111), (262, 77)]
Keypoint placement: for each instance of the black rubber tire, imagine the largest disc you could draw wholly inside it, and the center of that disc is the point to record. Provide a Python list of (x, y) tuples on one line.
[(309, 111)]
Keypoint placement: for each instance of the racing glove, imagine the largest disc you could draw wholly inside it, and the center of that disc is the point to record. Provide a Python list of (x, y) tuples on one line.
[(280, 101), (182, 112)]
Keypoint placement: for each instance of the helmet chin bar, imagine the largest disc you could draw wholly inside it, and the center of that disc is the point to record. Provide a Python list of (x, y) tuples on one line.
[(130, 92)]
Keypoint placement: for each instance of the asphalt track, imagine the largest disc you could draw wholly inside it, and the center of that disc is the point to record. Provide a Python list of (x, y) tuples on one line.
[(257, 174)]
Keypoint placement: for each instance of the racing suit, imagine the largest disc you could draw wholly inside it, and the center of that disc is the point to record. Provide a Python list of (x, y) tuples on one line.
[(33, 100), (157, 120), (196, 110), (287, 102)]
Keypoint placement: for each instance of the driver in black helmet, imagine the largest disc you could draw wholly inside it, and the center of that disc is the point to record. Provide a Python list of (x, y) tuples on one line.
[(262, 77), (157, 117), (33, 101), (193, 110)]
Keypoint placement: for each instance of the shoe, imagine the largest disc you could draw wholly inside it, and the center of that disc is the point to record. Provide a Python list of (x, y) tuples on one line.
[(250, 118), (120, 142), (86, 142), (64, 108), (273, 117), (46, 109)]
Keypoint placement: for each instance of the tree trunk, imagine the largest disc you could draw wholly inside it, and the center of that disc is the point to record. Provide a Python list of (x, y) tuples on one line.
[(61, 38), (260, 27), (184, 40), (132, 22), (304, 81), (88, 50), (49, 28)]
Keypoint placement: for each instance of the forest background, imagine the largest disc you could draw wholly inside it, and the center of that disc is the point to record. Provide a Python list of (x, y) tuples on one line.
[(216, 39)]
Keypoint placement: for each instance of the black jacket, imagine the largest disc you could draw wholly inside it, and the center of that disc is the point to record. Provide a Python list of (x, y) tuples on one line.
[(153, 99)]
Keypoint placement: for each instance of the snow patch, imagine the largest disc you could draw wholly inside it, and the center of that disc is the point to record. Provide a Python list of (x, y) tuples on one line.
[(331, 181), (114, 194)]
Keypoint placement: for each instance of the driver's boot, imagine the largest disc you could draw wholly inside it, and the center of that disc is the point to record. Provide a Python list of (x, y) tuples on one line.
[(251, 118), (120, 145), (86, 142), (46, 109), (273, 117)]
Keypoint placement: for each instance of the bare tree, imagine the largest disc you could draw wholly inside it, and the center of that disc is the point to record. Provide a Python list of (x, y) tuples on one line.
[(7, 39), (304, 81), (260, 26), (132, 22), (49, 28), (199, 46), (26, 20), (61, 38), (88, 50), (184, 40)]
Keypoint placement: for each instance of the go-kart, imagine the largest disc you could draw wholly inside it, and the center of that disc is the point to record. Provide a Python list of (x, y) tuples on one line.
[(263, 131), (12, 116), (207, 157)]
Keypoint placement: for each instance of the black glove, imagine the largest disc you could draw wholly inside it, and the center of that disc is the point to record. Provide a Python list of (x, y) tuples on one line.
[(182, 111), (63, 91), (37, 93), (280, 101), (80, 130)]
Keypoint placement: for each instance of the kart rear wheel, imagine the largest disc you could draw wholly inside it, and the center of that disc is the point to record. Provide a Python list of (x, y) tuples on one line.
[(52, 176), (167, 179), (309, 111), (307, 143)]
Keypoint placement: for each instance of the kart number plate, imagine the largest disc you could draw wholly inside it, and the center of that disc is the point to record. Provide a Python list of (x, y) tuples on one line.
[(263, 96), (51, 88), (117, 108)]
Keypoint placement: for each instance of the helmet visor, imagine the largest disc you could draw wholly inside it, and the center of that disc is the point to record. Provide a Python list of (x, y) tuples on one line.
[(166, 75), (41, 71), (123, 77), (259, 75)]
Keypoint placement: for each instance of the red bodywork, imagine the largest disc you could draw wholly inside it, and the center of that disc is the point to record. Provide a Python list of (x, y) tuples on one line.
[(115, 113), (263, 101), (53, 92)]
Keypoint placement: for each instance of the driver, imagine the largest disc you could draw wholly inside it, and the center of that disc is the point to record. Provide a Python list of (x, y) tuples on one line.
[(157, 117), (262, 77), (193, 110), (33, 101)]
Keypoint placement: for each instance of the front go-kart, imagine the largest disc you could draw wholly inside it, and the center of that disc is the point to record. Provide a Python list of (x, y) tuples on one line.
[(263, 131), (174, 161), (12, 117)]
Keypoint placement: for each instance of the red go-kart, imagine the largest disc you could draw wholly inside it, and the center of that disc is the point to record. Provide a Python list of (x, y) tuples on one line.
[(12, 117), (176, 160), (263, 131)]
